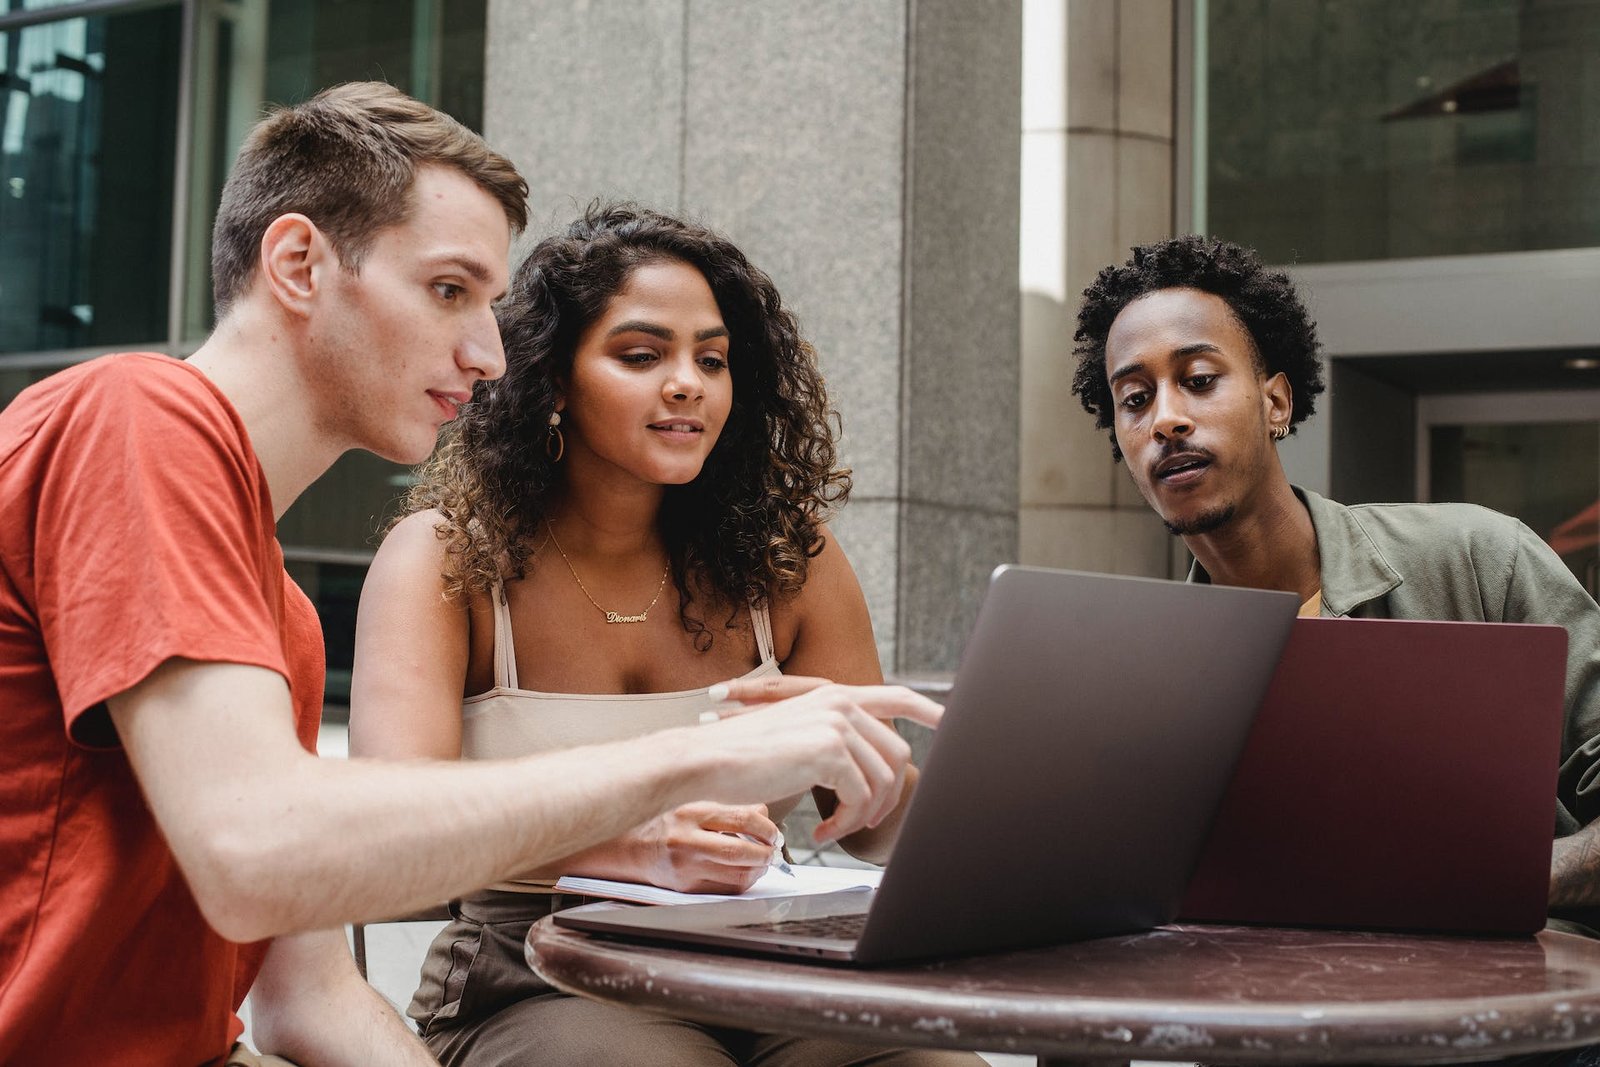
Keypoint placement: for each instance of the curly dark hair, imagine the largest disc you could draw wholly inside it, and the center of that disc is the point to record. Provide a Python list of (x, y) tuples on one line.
[(1264, 301), (747, 526)]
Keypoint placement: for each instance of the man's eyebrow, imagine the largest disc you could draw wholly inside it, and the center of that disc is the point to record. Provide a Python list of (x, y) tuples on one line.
[(470, 267), (1123, 372), (1182, 350)]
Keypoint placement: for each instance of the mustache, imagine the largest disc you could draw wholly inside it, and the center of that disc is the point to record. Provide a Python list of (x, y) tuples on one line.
[(1173, 450)]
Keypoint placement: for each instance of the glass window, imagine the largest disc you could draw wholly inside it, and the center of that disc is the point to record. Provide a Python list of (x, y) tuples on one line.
[(1367, 129), (88, 133), (14, 379), (1546, 474), (91, 110)]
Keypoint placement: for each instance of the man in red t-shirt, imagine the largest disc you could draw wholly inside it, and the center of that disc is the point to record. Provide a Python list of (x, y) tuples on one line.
[(167, 838)]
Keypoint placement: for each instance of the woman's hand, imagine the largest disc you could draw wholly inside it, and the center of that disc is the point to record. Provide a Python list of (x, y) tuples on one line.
[(696, 848)]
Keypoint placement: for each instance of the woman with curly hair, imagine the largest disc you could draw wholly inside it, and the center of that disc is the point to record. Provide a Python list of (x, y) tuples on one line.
[(632, 513)]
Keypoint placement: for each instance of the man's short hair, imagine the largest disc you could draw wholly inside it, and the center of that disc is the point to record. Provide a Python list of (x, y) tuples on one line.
[(346, 159), (1264, 302)]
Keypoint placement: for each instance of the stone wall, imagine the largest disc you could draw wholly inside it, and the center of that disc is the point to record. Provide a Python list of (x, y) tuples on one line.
[(865, 154), (1097, 149)]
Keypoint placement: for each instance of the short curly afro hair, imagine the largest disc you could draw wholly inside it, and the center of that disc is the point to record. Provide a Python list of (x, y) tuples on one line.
[(1264, 301)]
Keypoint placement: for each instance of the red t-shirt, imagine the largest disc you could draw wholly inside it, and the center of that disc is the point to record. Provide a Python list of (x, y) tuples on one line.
[(135, 527)]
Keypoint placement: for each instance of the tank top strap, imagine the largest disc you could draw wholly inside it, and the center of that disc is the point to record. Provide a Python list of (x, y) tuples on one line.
[(505, 652), (761, 622)]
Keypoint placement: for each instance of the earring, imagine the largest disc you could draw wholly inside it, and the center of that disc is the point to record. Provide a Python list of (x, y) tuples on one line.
[(1280, 432), (555, 446)]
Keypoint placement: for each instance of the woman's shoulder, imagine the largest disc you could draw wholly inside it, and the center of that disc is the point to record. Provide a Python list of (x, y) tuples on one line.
[(422, 535), (824, 628), (416, 551), (829, 567), (419, 525), (829, 579)]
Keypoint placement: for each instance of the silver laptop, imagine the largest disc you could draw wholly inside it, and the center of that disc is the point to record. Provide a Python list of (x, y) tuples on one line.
[(1086, 744)]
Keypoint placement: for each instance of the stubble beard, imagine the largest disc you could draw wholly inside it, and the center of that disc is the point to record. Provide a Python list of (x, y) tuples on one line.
[(1203, 523)]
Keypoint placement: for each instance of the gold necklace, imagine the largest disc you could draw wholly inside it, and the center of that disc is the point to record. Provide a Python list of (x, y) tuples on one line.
[(611, 616)]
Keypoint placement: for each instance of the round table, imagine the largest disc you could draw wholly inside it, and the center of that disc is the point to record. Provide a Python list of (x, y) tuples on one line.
[(1216, 994)]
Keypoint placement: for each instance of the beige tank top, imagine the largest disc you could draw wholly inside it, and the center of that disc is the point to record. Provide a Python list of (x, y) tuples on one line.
[(509, 721)]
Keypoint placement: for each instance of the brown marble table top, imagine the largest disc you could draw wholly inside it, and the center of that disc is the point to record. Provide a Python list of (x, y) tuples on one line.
[(1215, 994)]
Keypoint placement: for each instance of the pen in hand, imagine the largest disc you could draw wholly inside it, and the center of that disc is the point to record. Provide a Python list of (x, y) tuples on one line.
[(777, 861)]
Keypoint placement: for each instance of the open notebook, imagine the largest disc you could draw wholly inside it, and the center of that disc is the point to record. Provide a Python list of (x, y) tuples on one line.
[(774, 883)]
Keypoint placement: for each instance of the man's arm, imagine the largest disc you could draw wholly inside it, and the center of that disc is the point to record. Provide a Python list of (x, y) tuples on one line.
[(1575, 870), (1540, 589), (311, 1006), (273, 840)]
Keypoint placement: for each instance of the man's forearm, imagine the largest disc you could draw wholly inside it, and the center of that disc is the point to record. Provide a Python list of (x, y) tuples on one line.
[(273, 840), (310, 1006), (342, 841), (1575, 869)]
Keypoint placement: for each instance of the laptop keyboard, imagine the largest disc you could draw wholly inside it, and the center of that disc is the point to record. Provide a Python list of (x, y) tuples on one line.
[(836, 926)]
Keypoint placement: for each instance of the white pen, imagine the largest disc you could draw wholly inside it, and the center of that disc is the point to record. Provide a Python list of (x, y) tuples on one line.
[(776, 861), (719, 694)]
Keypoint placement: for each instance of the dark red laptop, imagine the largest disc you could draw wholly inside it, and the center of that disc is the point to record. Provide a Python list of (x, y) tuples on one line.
[(1399, 775)]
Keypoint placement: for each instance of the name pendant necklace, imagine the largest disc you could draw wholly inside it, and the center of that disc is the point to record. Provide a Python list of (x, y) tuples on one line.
[(610, 616)]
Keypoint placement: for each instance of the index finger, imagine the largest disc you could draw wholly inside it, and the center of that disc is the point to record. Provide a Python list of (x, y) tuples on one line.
[(879, 701), (896, 702), (765, 690)]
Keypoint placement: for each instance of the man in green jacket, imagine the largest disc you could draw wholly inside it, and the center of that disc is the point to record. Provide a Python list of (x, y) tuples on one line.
[(1199, 361)]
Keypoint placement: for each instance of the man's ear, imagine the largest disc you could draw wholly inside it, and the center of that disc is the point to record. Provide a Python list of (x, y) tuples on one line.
[(293, 251), (1277, 396)]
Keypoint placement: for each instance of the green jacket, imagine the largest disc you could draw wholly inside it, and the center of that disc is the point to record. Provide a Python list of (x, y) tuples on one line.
[(1467, 563)]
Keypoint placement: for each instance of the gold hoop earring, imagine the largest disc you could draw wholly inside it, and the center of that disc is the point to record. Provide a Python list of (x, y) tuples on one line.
[(1280, 432), (555, 446)]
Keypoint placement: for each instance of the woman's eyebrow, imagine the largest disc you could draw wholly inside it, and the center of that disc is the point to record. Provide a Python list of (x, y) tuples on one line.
[(640, 326), (654, 330)]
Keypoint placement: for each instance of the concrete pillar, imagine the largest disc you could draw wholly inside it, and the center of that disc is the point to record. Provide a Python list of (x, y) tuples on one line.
[(865, 154), (1097, 147)]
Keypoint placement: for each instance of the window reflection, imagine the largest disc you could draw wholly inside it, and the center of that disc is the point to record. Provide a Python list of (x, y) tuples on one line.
[(1546, 474), (87, 138), (1367, 129)]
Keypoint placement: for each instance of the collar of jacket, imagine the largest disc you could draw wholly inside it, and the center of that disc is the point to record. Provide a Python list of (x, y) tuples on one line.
[(1354, 570)]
